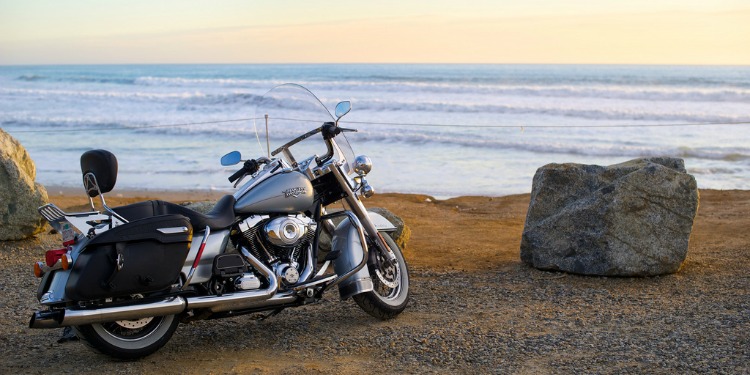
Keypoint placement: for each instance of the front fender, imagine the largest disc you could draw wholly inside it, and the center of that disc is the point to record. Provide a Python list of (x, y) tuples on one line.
[(346, 241)]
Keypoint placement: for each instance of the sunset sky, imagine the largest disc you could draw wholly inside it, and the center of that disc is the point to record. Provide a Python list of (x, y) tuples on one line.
[(435, 31)]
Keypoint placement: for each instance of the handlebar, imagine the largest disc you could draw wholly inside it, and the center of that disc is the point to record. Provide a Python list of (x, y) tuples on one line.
[(236, 175), (251, 166)]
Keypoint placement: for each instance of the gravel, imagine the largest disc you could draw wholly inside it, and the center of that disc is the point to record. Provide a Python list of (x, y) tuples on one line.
[(513, 319)]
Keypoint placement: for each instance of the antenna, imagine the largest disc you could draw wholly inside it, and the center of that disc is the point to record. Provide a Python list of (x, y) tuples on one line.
[(268, 142)]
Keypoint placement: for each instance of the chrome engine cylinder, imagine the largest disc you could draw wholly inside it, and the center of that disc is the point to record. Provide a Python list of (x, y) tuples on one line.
[(285, 231)]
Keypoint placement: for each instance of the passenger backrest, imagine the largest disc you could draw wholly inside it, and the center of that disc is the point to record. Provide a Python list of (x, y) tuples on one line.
[(102, 164)]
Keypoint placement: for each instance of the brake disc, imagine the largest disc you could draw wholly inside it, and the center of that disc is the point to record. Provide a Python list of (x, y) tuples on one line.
[(390, 277), (134, 324)]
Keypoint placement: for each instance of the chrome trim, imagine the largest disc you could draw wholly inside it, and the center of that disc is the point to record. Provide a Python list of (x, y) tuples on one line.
[(323, 268), (324, 280), (361, 212), (75, 317), (250, 222), (57, 266), (173, 230), (280, 298), (51, 212), (362, 165), (92, 177), (309, 266), (239, 300), (56, 217)]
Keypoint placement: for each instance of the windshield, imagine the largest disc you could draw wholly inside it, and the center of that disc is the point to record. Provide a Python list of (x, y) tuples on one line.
[(289, 111)]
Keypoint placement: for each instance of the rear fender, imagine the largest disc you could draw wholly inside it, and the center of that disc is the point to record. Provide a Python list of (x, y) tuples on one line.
[(52, 287)]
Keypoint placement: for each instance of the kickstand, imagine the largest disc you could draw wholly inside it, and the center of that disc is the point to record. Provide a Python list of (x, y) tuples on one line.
[(67, 335), (272, 313)]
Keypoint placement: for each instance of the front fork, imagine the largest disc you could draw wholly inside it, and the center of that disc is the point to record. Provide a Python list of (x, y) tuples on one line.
[(359, 210)]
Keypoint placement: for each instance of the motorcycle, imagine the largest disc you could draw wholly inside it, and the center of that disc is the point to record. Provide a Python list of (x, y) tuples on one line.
[(127, 276)]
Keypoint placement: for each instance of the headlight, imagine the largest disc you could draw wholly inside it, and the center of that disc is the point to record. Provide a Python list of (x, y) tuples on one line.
[(362, 165)]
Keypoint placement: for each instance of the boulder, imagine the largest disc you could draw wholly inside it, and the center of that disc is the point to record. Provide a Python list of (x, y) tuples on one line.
[(629, 219), (402, 233), (20, 196)]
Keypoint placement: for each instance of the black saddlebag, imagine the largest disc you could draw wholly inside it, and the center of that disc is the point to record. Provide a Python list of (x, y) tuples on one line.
[(141, 256)]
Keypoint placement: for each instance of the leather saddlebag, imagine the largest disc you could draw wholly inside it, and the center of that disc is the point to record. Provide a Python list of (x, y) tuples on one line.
[(141, 256)]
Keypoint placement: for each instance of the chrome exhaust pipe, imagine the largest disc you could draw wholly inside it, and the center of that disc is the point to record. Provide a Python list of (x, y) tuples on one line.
[(71, 317), (239, 300), (170, 306)]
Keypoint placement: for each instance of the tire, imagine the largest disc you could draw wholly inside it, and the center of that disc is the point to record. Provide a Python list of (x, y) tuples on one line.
[(129, 339), (384, 302)]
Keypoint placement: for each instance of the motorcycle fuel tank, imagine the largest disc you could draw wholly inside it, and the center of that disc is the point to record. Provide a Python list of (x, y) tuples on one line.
[(288, 192)]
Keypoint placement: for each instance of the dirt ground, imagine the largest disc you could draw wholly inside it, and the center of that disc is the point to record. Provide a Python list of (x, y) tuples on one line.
[(475, 307)]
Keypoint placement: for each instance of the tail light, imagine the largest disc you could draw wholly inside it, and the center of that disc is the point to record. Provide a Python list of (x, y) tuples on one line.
[(52, 256), (53, 260)]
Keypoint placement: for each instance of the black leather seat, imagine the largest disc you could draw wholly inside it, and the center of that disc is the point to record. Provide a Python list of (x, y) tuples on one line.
[(220, 217)]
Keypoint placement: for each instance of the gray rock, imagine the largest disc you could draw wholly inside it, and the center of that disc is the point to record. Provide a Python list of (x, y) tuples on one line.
[(20, 196), (629, 219), (402, 233), (203, 207)]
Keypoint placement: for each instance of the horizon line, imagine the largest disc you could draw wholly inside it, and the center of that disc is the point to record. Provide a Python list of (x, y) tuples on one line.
[(373, 63)]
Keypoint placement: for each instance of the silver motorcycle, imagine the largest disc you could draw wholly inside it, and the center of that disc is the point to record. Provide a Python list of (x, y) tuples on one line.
[(127, 276)]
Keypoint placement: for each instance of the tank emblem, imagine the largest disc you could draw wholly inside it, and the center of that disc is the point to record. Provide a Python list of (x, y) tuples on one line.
[(294, 192)]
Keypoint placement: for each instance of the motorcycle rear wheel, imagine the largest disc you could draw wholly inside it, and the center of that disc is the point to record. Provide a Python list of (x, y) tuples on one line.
[(384, 302), (129, 339)]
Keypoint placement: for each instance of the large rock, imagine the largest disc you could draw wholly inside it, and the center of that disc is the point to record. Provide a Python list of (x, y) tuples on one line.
[(629, 219), (20, 196), (402, 233)]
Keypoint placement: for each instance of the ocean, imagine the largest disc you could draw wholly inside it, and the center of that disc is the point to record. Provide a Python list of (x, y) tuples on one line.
[(441, 130)]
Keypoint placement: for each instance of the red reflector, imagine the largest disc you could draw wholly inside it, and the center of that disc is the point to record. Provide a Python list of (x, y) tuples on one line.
[(52, 256)]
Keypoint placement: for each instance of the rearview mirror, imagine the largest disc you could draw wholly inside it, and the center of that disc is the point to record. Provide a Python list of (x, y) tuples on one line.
[(231, 158), (342, 109)]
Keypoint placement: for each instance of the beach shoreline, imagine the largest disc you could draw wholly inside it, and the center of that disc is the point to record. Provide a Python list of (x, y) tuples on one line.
[(475, 306)]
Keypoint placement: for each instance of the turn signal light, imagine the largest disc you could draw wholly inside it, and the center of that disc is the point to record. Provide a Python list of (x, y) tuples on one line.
[(65, 260), (38, 269)]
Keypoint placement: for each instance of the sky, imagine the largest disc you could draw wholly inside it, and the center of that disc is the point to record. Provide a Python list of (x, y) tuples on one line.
[(703, 32)]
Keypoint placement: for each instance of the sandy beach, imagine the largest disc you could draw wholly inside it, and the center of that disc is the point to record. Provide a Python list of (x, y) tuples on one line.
[(475, 307)]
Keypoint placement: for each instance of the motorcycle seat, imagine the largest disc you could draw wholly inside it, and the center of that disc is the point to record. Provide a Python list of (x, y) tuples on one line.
[(221, 215)]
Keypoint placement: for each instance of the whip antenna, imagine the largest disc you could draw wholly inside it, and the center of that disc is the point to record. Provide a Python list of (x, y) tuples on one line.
[(268, 142)]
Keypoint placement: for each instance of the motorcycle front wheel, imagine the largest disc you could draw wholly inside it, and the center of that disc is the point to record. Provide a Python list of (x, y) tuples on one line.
[(391, 285), (129, 339)]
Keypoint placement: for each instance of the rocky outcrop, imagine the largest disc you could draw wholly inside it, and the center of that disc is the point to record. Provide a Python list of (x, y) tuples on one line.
[(629, 219), (20, 196)]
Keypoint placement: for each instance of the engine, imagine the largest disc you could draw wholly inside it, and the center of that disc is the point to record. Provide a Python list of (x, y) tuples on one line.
[(280, 242)]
